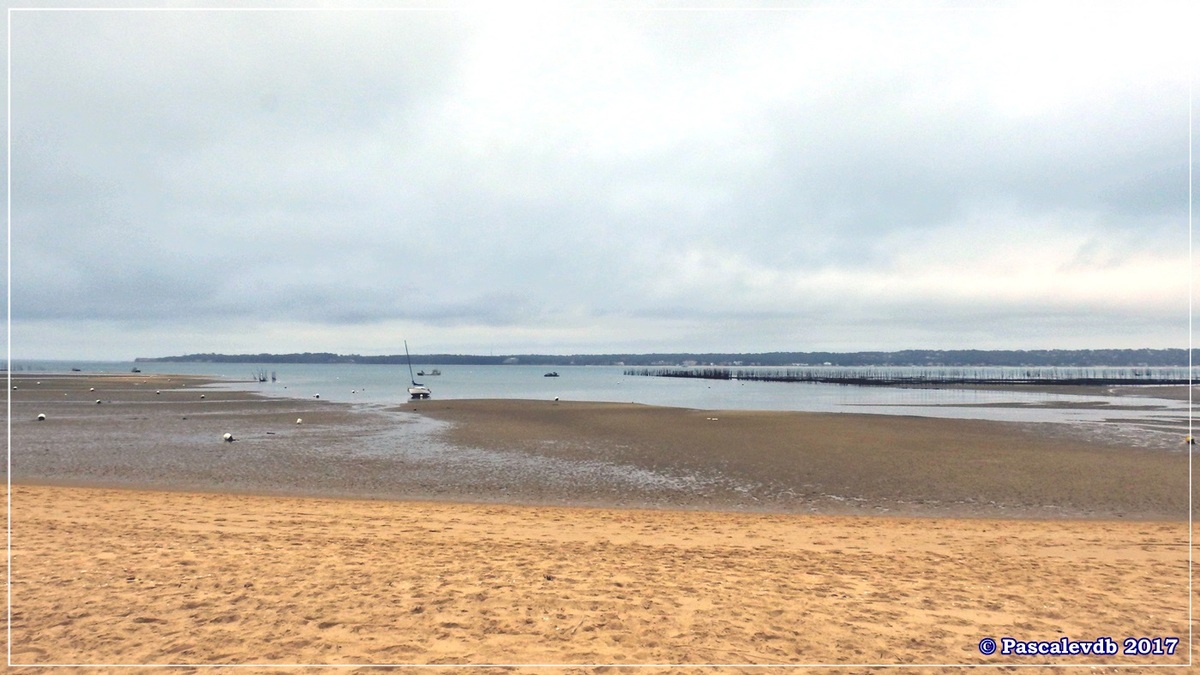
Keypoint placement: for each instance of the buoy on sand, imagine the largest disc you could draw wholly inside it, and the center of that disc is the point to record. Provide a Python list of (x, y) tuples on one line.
[(228, 438), (41, 417), (299, 420)]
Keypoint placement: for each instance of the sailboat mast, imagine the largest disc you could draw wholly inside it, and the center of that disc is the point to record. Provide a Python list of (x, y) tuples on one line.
[(411, 377)]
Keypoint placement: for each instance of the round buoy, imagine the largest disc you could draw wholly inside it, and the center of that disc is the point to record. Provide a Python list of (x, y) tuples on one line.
[(41, 417), (201, 395), (299, 420), (97, 401), (228, 438), (316, 396), (158, 392), (92, 389)]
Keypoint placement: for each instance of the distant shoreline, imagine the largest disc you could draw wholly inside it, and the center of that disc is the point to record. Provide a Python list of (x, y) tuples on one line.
[(1146, 358)]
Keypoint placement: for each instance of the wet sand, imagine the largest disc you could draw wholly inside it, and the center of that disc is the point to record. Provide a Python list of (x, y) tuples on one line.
[(243, 561), (158, 432), (836, 463)]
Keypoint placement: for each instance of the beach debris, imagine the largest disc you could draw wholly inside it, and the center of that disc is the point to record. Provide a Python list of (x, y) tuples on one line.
[(228, 438), (201, 395), (299, 420), (41, 417), (97, 401), (711, 419), (1190, 440), (92, 389), (158, 392)]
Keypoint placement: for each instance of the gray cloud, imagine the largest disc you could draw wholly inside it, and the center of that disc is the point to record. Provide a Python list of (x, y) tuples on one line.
[(598, 181)]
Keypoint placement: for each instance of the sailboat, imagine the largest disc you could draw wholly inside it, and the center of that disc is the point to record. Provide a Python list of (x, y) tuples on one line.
[(417, 390)]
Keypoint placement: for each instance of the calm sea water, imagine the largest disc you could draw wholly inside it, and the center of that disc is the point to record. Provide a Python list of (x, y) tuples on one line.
[(387, 384)]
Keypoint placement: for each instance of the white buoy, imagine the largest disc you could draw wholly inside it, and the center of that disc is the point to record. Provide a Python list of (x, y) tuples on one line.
[(92, 389), (316, 396), (299, 420), (97, 401), (228, 438), (41, 417), (158, 392), (201, 395)]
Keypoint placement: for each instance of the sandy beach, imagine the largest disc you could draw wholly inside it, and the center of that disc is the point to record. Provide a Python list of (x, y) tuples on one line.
[(774, 538), (117, 576)]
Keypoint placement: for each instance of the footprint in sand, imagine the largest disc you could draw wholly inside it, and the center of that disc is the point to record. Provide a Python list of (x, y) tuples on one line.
[(25, 654)]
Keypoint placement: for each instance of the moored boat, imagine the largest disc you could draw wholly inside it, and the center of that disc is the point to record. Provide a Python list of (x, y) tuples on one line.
[(417, 390)]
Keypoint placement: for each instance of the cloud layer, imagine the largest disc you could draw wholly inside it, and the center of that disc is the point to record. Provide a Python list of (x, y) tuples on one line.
[(573, 181)]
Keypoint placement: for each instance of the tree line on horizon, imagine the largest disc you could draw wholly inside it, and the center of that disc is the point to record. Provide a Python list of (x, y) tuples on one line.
[(910, 357)]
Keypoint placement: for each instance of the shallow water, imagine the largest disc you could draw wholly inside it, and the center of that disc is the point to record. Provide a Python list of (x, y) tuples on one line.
[(387, 384)]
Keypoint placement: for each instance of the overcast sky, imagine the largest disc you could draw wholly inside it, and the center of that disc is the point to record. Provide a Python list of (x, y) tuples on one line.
[(528, 180)]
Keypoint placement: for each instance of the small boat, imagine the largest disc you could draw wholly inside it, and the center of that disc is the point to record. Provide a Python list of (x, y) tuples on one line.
[(417, 390), (76, 370), (553, 373)]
